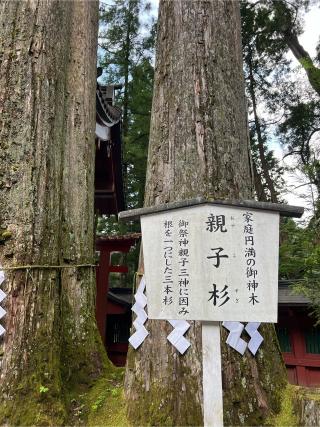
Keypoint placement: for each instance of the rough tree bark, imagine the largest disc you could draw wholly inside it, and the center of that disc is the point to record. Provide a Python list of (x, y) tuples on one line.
[(199, 147), (47, 110)]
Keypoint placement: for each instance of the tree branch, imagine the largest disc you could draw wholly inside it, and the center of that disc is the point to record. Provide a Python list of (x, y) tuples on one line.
[(138, 137), (139, 113), (290, 37), (305, 60), (291, 153), (303, 185)]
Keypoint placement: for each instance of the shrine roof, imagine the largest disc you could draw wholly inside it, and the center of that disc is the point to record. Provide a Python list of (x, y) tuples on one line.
[(123, 237), (109, 190), (123, 296), (288, 297), (107, 113), (283, 209)]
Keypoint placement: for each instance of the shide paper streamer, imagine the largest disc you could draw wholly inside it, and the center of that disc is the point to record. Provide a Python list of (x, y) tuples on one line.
[(2, 297), (138, 308), (235, 341), (176, 337), (256, 338)]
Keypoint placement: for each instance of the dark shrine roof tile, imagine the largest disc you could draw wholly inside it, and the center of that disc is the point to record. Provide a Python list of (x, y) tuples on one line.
[(108, 114), (121, 296), (114, 238)]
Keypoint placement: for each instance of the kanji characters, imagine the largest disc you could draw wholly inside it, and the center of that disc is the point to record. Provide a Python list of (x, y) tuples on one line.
[(216, 223), (217, 256), (221, 295)]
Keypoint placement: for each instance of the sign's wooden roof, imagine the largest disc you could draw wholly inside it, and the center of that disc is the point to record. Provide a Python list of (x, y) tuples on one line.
[(284, 210)]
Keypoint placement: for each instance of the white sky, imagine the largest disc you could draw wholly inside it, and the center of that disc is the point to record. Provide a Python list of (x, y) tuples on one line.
[(311, 35)]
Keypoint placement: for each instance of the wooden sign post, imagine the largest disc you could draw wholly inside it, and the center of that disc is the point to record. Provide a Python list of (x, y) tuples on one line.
[(211, 375), (212, 261)]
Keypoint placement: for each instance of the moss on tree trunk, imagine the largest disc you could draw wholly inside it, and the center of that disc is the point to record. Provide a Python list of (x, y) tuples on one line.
[(199, 147), (51, 349)]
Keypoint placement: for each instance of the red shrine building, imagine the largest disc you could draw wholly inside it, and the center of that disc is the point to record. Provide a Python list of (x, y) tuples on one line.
[(113, 304), (298, 337), (109, 195)]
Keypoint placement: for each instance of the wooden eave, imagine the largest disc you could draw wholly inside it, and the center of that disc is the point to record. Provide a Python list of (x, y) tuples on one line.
[(283, 209), (109, 192)]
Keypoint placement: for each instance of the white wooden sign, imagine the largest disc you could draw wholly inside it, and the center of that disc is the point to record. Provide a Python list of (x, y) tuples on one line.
[(212, 263)]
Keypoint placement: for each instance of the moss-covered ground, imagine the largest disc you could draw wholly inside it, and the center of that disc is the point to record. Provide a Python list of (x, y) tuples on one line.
[(101, 404), (91, 396), (291, 413), (104, 404), (286, 417)]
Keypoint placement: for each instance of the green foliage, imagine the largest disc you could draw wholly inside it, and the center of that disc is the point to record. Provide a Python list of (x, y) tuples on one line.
[(290, 112), (119, 35), (264, 64), (286, 416), (124, 38), (100, 400), (104, 405), (128, 35), (298, 131), (296, 246), (43, 389), (4, 235), (128, 41), (300, 260), (109, 226), (140, 100)]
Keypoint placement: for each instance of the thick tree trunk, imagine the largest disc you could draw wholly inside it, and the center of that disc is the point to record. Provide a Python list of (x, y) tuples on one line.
[(199, 147), (47, 109)]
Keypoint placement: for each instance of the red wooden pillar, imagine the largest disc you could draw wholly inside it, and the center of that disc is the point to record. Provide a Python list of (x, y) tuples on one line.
[(107, 245), (303, 367), (298, 343), (102, 291)]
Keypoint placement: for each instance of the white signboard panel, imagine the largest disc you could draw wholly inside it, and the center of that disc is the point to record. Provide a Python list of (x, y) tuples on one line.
[(212, 263)]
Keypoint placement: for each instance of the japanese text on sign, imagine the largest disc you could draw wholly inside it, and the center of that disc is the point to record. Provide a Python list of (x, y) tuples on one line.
[(213, 263)]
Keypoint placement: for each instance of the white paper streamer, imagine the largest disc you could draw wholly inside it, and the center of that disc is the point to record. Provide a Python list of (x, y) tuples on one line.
[(234, 338), (103, 132), (2, 297), (176, 337), (141, 333), (256, 338)]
